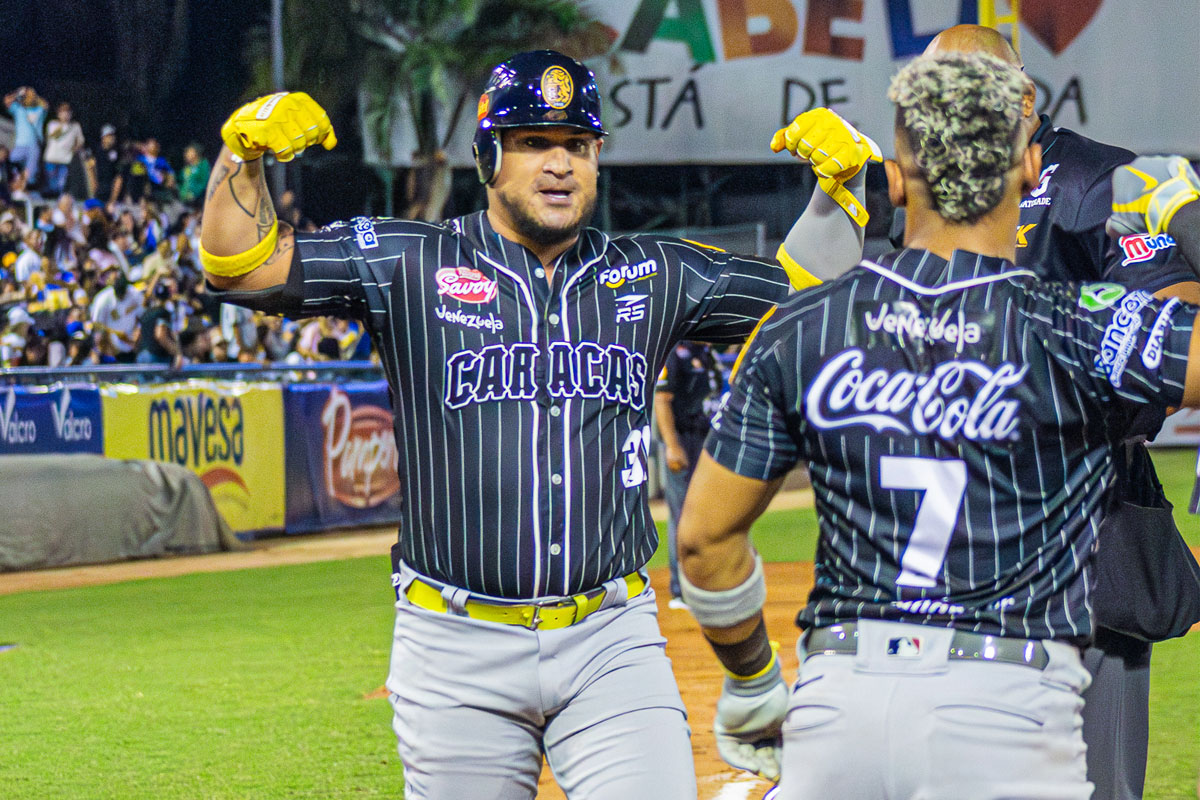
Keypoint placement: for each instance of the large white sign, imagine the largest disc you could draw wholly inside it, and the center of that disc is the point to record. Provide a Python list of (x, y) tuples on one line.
[(709, 81)]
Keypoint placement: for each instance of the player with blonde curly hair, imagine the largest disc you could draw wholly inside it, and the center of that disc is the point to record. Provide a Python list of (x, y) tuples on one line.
[(961, 422)]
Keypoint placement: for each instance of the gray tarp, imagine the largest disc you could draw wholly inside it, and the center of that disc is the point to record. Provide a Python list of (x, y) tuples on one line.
[(82, 509)]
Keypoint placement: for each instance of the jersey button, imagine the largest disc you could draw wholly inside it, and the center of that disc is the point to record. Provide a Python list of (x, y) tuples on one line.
[(552, 319), (555, 411), (555, 549), (541, 273), (556, 479)]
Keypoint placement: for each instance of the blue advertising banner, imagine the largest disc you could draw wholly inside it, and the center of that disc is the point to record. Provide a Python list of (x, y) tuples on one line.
[(58, 418), (341, 456)]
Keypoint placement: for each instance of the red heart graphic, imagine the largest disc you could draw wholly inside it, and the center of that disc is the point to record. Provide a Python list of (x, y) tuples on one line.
[(1057, 24)]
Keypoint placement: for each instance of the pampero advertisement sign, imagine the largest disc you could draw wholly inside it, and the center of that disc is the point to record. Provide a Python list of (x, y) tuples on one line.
[(341, 456), (709, 81), (50, 419)]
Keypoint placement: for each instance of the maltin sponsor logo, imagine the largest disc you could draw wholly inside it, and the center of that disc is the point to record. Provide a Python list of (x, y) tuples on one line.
[(466, 285), (360, 452)]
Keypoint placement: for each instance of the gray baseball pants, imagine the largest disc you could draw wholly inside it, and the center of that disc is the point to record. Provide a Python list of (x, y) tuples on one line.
[(925, 727), (477, 704)]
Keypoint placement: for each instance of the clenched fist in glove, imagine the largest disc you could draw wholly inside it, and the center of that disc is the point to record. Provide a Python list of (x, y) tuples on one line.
[(750, 714), (285, 124), (1148, 192), (836, 151)]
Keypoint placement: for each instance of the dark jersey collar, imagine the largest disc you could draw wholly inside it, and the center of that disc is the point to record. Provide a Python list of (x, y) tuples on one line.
[(1044, 131), (925, 273), (477, 229)]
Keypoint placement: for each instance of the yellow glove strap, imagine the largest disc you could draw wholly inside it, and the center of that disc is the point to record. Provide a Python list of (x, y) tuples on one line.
[(846, 199), (241, 263), (761, 672)]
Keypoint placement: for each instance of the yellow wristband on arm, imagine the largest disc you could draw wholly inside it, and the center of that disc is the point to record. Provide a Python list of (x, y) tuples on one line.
[(241, 263), (798, 276)]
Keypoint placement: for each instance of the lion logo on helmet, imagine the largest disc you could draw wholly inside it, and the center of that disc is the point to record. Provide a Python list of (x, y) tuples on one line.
[(557, 87)]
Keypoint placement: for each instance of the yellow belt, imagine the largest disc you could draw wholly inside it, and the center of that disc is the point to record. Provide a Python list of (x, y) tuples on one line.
[(535, 617)]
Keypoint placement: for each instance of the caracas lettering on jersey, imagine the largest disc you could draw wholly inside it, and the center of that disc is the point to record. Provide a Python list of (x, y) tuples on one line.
[(584, 369), (1120, 337), (940, 403), (905, 321)]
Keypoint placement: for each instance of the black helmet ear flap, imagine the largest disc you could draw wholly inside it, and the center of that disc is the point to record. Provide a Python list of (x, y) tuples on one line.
[(488, 152)]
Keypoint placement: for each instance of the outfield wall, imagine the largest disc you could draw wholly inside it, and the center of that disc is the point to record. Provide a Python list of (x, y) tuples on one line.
[(275, 456)]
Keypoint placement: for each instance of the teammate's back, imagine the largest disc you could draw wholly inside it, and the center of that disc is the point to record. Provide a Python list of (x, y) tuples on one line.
[(997, 412)]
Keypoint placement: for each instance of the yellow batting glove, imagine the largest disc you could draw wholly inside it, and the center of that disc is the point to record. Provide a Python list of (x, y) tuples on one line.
[(825, 140), (1148, 192), (285, 123), (836, 150)]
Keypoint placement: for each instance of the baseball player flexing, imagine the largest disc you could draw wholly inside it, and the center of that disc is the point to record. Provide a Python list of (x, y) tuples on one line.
[(521, 348), (962, 427), (1061, 236)]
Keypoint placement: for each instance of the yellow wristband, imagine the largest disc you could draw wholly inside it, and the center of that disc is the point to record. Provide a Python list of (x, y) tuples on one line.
[(798, 276), (241, 263), (761, 672)]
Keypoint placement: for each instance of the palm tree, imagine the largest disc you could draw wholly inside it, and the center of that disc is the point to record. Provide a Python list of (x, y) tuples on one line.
[(416, 58)]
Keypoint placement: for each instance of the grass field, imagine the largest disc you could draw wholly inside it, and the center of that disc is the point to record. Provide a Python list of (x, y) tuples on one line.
[(256, 684)]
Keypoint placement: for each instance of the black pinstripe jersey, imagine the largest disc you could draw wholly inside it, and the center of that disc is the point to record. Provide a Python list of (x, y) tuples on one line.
[(959, 420), (522, 405)]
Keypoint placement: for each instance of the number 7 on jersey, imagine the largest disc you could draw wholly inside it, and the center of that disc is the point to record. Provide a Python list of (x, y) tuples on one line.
[(944, 483)]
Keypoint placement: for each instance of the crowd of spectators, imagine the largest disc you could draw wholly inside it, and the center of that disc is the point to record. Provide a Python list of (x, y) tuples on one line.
[(98, 257)]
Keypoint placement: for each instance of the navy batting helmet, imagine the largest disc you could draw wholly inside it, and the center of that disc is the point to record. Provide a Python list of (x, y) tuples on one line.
[(541, 87)]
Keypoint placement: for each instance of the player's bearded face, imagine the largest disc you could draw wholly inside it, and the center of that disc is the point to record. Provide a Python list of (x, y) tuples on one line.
[(546, 189)]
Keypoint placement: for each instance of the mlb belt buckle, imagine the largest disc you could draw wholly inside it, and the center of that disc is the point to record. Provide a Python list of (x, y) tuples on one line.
[(842, 639), (534, 616)]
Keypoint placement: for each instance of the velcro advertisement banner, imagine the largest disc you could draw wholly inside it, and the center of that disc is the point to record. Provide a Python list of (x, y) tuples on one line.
[(709, 81), (229, 433), (341, 456), (50, 419)]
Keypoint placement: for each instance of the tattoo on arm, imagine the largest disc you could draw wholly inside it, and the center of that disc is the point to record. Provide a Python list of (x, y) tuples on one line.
[(266, 215), (284, 248), (219, 175)]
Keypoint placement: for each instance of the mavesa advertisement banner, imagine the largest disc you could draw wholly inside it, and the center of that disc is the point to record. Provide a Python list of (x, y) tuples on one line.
[(228, 433)]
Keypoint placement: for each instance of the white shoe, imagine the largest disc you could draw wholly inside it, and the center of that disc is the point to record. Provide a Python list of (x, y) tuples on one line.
[(677, 604)]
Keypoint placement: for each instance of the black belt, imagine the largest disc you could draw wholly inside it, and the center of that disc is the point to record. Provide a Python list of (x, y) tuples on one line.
[(842, 639)]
